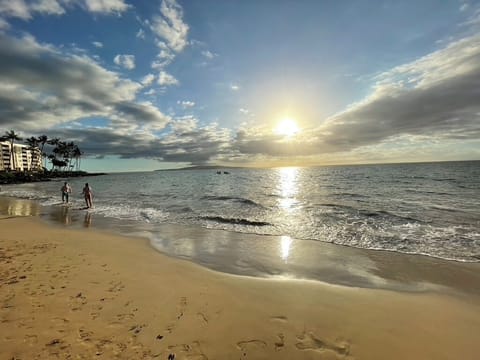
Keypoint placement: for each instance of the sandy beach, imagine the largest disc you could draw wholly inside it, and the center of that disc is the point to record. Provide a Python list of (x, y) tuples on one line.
[(80, 294)]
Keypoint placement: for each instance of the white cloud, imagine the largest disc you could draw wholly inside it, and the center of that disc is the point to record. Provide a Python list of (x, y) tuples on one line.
[(148, 80), (464, 7), (186, 104), (164, 57), (165, 79), (97, 44), (15, 8), (51, 7), (244, 111), (150, 92), (170, 26), (25, 10), (234, 87), (208, 54), (106, 6), (140, 34), (184, 124), (125, 61)]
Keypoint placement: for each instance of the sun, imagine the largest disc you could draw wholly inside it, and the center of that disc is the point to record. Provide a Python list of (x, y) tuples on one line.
[(287, 127)]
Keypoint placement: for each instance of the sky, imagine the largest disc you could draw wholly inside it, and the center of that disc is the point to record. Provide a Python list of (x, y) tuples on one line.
[(145, 85)]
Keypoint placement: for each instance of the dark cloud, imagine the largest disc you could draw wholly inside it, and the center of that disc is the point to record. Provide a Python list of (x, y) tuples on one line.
[(41, 87)]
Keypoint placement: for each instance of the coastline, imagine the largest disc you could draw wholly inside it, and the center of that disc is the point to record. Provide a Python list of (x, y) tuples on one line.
[(85, 293), (269, 256)]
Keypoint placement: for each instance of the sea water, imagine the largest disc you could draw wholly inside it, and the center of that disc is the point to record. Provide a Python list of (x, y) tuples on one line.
[(423, 208)]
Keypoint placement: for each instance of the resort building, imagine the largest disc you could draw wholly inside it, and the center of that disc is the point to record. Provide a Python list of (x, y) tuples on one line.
[(23, 158)]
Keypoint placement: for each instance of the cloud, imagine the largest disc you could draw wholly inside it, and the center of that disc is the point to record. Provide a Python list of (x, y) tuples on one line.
[(185, 142), (186, 104), (170, 26), (165, 79), (15, 8), (97, 44), (464, 6), (234, 87), (51, 7), (42, 86), (140, 34), (208, 54), (150, 92), (25, 10), (164, 57), (4, 24), (106, 6), (125, 61), (436, 95), (148, 80)]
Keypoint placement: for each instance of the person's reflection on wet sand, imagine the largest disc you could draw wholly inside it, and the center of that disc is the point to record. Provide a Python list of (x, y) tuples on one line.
[(65, 215), (87, 221)]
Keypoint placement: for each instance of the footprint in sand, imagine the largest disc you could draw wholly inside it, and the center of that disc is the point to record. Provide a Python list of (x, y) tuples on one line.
[(116, 286), (280, 343), (308, 341), (182, 306), (191, 351), (279, 318), (253, 346)]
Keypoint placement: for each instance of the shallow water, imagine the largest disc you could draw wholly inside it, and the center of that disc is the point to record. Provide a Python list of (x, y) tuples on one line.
[(431, 208)]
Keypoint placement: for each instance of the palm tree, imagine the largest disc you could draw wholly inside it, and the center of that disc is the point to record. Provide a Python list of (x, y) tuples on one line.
[(33, 147), (12, 136), (77, 155), (43, 139), (53, 155)]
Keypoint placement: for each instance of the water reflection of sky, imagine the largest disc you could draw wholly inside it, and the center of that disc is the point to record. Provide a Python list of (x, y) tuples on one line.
[(17, 207)]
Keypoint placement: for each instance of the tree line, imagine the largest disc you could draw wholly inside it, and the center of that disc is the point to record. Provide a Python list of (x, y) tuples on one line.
[(61, 154)]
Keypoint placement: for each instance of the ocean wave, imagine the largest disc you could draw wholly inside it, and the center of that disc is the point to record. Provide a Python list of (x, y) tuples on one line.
[(132, 213), (235, 221), (231, 198)]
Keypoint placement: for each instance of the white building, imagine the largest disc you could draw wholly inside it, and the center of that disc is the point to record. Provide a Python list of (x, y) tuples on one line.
[(22, 159)]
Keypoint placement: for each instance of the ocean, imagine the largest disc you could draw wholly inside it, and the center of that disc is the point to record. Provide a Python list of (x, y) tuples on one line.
[(430, 209)]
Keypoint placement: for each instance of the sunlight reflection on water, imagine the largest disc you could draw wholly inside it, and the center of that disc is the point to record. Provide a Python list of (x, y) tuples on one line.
[(288, 186), (285, 244)]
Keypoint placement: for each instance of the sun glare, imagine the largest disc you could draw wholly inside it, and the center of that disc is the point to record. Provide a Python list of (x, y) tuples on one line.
[(287, 127)]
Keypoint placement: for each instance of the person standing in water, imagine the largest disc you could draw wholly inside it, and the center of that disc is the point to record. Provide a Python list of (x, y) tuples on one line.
[(88, 194), (66, 190)]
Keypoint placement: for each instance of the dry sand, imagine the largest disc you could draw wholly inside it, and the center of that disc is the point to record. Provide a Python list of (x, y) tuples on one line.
[(73, 294)]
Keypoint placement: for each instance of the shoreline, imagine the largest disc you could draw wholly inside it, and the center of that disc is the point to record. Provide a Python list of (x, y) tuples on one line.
[(83, 293), (15, 178), (265, 256)]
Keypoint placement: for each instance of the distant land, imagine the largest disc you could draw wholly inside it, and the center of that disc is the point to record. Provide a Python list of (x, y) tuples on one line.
[(219, 168), (204, 167)]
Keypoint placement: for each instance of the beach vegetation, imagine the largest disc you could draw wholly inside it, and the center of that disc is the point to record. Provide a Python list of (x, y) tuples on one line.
[(64, 156)]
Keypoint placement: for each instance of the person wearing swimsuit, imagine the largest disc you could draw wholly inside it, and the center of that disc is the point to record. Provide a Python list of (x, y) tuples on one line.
[(88, 194), (66, 190)]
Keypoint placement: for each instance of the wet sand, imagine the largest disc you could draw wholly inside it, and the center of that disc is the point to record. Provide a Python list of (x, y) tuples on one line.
[(67, 293)]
